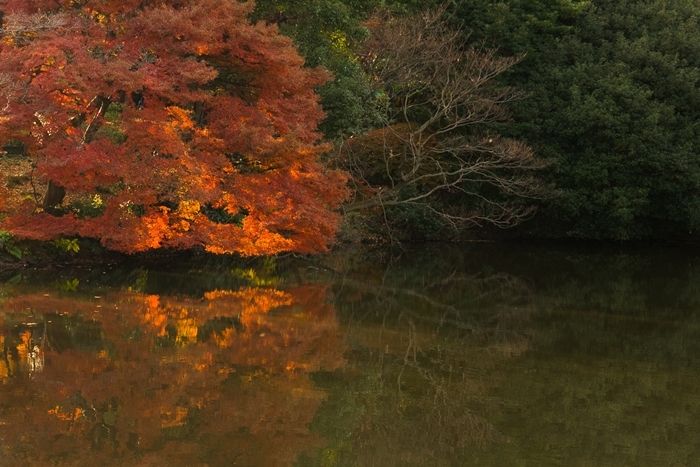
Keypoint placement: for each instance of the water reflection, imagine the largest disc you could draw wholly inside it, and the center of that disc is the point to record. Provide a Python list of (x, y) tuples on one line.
[(441, 356), (128, 378), (426, 335), (516, 356)]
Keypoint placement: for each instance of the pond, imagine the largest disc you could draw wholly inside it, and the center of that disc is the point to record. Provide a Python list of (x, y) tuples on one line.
[(435, 355)]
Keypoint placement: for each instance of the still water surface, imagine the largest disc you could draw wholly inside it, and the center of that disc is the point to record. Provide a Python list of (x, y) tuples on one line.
[(492, 355)]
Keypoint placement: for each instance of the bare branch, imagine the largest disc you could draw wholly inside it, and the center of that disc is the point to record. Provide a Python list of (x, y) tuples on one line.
[(9, 88), (439, 94), (23, 25)]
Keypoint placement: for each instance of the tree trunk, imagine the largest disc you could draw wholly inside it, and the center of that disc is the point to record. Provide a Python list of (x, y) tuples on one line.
[(54, 196)]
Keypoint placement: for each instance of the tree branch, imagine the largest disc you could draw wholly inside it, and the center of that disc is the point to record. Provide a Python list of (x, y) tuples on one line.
[(441, 94)]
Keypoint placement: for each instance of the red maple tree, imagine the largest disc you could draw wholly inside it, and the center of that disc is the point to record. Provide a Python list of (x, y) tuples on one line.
[(170, 123)]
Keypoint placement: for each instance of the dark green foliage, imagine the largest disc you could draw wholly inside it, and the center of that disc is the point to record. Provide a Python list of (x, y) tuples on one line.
[(416, 221), (7, 242), (87, 207), (517, 27), (14, 147), (326, 33), (624, 124), (614, 99), (110, 128), (221, 216)]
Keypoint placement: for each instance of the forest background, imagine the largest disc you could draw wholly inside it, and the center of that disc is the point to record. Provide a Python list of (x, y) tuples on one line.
[(584, 123), (609, 99)]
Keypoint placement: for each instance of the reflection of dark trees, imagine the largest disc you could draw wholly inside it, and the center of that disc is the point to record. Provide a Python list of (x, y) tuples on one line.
[(428, 333), (609, 345), (435, 293), (472, 355), (65, 332)]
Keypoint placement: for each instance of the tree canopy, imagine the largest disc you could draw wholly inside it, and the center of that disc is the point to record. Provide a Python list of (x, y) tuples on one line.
[(167, 124), (184, 123), (613, 92), (328, 33), (623, 93)]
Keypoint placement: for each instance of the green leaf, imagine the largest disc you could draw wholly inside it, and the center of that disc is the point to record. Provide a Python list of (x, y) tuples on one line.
[(14, 250)]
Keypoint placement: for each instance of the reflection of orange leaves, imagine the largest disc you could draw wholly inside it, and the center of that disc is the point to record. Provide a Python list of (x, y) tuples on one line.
[(172, 418), (313, 300), (186, 331), (206, 361), (253, 301), (152, 301), (254, 297), (155, 316), (67, 415), (25, 337), (152, 388), (76, 364), (23, 348), (300, 337), (293, 366), (225, 338), (4, 370)]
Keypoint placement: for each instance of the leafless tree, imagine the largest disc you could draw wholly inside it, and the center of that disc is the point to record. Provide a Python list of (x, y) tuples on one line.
[(439, 94), (19, 25)]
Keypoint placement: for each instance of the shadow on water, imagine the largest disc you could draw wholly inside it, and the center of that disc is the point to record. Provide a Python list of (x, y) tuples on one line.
[(441, 355)]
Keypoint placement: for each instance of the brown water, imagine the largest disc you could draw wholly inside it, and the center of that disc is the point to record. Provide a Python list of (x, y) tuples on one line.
[(492, 355)]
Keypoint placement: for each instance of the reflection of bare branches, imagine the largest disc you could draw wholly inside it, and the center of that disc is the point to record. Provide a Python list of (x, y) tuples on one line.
[(435, 407), (410, 355), (502, 288), (433, 336)]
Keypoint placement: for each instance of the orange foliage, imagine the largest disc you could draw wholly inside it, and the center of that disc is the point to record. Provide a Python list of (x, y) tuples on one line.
[(193, 126), (249, 303), (161, 367)]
